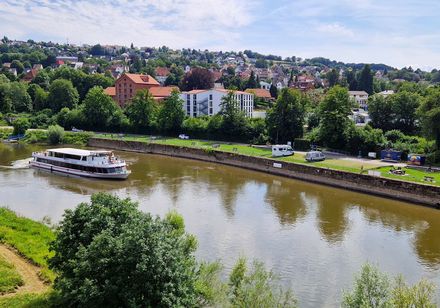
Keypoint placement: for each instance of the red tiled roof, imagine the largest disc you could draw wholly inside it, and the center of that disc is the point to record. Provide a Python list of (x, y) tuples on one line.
[(110, 91), (263, 93), (161, 92), (30, 75), (162, 71), (141, 79)]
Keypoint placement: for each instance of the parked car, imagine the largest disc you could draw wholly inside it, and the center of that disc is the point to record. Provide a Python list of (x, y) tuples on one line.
[(183, 136), (282, 150), (315, 156)]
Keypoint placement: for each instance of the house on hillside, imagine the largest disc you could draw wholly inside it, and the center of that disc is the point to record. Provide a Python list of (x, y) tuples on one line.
[(127, 85), (360, 97), (30, 75), (303, 83), (262, 94), (208, 102), (265, 85), (162, 74)]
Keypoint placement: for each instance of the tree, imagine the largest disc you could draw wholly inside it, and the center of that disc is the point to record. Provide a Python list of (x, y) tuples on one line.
[(197, 78), (273, 91), (21, 125), (429, 112), (40, 101), (334, 122), (42, 79), (109, 253), (381, 113), (97, 50), (55, 134), (99, 109), (404, 105), (171, 114), (285, 120), (18, 66), (332, 77), (142, 111), (366, 80), (62, 94), (251, 83), (18, 95), (234, 122), (351, 80)]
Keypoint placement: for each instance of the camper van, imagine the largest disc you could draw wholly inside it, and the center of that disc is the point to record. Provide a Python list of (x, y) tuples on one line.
[(315, 156), (282, 150)]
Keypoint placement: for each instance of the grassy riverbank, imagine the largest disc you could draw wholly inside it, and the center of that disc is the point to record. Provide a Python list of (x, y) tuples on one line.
[(342, 164), (30, 238), (10, 279)]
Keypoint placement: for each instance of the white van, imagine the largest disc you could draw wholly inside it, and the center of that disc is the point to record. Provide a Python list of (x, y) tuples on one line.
[(282, 150), (315, 156)]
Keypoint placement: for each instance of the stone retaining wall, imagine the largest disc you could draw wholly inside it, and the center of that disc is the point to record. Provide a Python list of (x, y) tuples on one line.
[(406, 191)]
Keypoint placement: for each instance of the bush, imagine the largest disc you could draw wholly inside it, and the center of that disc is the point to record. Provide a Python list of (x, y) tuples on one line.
[(35, 135), (55, 134), (109, 253), (5, 132), (20, 126), (79, 138), (302, 144)]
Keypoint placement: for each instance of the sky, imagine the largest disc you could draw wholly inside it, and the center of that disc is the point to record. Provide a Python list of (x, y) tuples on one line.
[(395, 32)]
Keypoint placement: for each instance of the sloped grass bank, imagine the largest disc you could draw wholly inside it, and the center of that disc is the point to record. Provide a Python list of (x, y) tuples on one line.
[(10, 279)]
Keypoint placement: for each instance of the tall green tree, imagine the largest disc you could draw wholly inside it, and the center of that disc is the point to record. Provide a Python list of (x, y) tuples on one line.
[(334, 123), (142, 111), (171, 114), (99, 109), (285, 120), (234, 122), (381, 112), (366, 80), (20, 98), (429, 112), (18, 66), (333, 77), (404, 105), (252, 82), (62, 94), (108, 253), (273, 91)]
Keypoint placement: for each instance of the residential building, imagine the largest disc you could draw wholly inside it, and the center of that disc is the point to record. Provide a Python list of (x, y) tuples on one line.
[(262, 94), (208, 102), (162, 74), (360, 97), (30, 75), (265, 85), (304, 83), (386, 93), (67, 59)]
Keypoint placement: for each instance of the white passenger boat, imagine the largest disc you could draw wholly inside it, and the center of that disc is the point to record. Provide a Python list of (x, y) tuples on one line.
[(85, 163)]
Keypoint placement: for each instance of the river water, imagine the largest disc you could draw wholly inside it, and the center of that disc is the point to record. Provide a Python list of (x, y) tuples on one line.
[(315, 237)]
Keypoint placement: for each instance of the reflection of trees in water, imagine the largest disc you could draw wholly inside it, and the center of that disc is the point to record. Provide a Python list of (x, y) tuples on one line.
[(286, 200), (12, 152), (424, 222)]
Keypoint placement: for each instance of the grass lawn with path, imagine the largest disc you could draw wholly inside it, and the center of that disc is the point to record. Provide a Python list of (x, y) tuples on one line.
[(10, 279)]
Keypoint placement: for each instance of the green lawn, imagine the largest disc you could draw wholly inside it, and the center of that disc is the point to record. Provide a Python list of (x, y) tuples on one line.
[(348, 165), (10, 279), (29, 237), (28, 300), (411, 175)]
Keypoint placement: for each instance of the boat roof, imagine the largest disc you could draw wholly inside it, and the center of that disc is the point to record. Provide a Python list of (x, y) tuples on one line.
[(79, 152)]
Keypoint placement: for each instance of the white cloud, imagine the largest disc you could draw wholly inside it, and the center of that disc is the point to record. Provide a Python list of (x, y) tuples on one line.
[(335, 29)]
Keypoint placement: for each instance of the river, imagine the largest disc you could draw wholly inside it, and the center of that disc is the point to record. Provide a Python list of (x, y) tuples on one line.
[(314, 237)]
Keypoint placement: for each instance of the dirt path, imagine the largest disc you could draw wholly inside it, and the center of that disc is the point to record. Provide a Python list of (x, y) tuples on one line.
[(28, 272)]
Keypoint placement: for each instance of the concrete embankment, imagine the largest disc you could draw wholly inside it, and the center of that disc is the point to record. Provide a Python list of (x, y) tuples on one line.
[(405, 191)]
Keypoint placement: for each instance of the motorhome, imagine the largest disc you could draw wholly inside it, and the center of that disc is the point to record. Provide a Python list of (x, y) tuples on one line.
[(315, 156), (282, 150)]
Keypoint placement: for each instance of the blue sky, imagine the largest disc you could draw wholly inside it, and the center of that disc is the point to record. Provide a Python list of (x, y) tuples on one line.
[(395, 32)]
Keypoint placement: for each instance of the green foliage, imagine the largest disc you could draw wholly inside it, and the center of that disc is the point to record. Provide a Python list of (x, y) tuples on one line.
[(35, 135), (404, 106), (77, 138), (195, 127), (99, 109), (234, 122), (108, 253), (28, 300), (285, 120), (9, 277), (142, 111), (380, 110), (332, 77), (197, 78), (429, 112), (366, 80), (62, 94), (21, 125), (16, 93), (171, 114), (302, 144), (375, 289), (30, 238), (5, 132), (55, 134), (334, 123)]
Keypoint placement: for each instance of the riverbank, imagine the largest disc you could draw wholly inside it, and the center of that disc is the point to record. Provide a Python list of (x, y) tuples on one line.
[(423, 194)]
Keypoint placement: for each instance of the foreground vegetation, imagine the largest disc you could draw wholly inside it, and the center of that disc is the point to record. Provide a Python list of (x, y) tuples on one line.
[(31, 239), (10, 279)]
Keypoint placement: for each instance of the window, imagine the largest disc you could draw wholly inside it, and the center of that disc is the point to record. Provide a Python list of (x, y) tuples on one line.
[(210, 97)]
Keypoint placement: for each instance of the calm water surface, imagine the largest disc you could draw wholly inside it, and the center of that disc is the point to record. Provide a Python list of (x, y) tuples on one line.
[(314, 237)]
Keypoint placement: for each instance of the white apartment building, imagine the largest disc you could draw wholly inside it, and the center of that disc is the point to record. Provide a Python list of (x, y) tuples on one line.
[(208, 102), (360, 97)]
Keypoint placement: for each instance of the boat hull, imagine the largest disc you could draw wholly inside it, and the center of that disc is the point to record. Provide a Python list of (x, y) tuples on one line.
[(78, 173)]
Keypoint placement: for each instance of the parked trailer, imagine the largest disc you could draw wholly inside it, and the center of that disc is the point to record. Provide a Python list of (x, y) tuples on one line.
[(282, 150)]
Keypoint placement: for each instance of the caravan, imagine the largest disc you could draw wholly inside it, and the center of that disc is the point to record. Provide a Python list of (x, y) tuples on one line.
[(282, 150)]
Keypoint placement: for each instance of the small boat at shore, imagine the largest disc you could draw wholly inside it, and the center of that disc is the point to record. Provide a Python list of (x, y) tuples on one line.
[(78, 162)]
